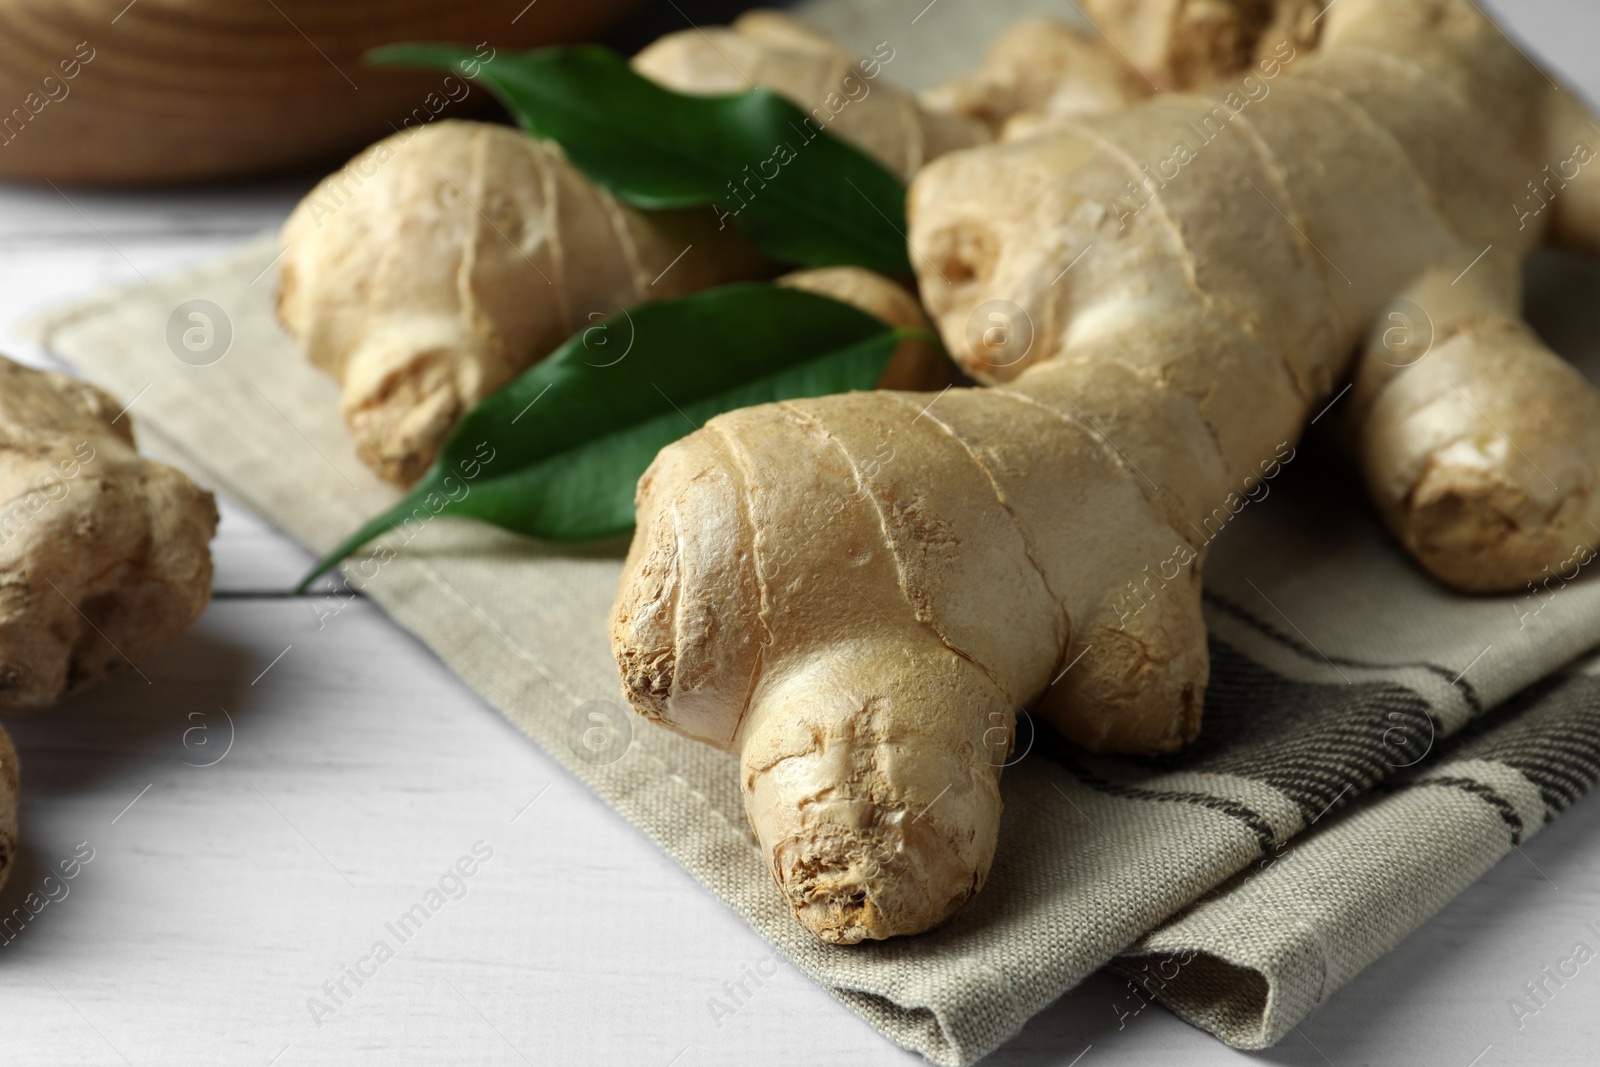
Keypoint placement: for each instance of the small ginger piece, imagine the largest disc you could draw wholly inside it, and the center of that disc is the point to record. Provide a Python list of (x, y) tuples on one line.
[(852, 98), (104, 554), (1041, 67), (442, 262), (917, 364), (1042, 71), (856, 593), (1189, 44)]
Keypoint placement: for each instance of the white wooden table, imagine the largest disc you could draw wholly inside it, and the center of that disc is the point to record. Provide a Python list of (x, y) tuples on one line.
[(349, 770)]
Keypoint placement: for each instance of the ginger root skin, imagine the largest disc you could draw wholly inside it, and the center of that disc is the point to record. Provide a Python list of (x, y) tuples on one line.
[(104, 554), (856, 593)]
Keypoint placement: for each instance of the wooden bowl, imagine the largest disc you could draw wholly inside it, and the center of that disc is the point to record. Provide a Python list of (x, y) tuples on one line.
[(110, 92)]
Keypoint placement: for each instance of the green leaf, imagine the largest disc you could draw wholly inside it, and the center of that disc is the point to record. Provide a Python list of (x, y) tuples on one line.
[(557, 453), (801, 194)]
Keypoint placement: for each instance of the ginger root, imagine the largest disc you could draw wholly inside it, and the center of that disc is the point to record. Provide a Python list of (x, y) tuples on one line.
[(441, 263), (856, 593), (1042, 70), (104, 554), (1479, 446), (1041, 67), (1189, 44), (844, 94)]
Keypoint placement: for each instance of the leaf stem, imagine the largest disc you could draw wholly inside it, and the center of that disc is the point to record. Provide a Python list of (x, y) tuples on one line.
[(376, 527)]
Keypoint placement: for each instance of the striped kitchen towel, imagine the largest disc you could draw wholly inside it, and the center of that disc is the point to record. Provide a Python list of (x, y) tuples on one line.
[(1253, 958), (1339, 673)]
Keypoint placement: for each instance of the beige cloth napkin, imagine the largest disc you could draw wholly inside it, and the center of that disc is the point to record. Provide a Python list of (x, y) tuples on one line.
[(1337, 666)]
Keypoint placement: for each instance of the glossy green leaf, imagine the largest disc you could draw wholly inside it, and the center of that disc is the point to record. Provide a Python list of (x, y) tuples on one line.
[(801, 194), (556, 454)]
